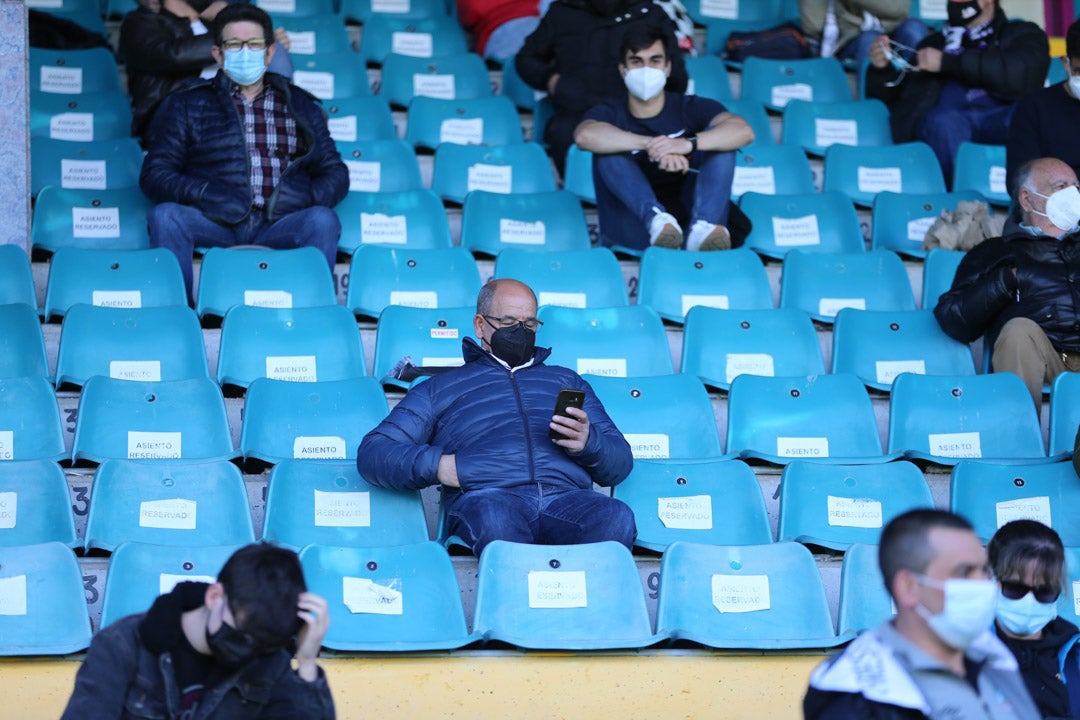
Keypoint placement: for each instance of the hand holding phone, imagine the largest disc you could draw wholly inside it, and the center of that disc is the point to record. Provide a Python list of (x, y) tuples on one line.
[(567, 398)]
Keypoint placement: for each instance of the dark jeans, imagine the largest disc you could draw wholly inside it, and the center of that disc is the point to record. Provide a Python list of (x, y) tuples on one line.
[(907, 33), (962, 115)]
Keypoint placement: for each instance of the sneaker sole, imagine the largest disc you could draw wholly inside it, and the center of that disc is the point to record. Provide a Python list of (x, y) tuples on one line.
[(669, 237), (718, 239)]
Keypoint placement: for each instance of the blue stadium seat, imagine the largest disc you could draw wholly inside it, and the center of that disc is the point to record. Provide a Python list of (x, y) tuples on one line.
[(360, 11), (330, 76), (1064, 413), (718, 502), (746, 11), (16, 279), (35, 504), (381, 166), (90, 219), (85, 13), (864, 601), (360, 118), (814, 222), (836, 506), (178, 420), (517, 168), (89, 117), (181, 504), (113, 278), (449, 77), (982, 168), (22, 346), (901, 220), (824, 284), (314, 31), (862, 172), (579, 174), (309, 421), (774, 83), (491, 222), (430, 37), (815, 126), (263, 277), (105, 165), (44, 610), (938, 273), (945, 419), (412, 219), (589, 278), (387, 599), (566, 597), (624, 341), (427, 337), (771, 170), (524, 95), (380, 277), (744, 596), (1069, 602), (708, 77), (754, 113), (117, 9), (298, 8), (719, 345), (476, 121), (931, 12), (990, 495), (311, 503), (73, 72), (298, 344), (673, 281), (30, 426), (823, 418)]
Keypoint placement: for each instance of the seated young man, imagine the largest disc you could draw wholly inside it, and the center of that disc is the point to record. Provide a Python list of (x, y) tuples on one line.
[(662, 162)]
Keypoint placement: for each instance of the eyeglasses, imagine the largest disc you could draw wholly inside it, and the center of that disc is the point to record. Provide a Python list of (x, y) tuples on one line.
[(234, 45), (1016, 590), (530, 324)]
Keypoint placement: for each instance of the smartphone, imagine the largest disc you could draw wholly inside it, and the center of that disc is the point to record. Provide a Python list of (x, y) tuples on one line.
[(567, 398)]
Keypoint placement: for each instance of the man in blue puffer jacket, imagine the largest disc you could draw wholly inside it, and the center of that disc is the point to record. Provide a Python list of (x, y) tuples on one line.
[(481, 431), (244, 158)]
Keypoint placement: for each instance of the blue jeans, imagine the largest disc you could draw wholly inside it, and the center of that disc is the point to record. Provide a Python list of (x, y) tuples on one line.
[(963, 115), (182, 228), (625, 199), (907, 33), (538, 515)]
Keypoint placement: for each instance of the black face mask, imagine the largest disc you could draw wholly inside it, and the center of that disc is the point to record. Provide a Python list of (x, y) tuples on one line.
[(513, 345), (231, 647), (961, 13)]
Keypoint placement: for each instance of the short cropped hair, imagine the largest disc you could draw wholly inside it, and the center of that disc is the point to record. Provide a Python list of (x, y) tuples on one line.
[(263, 583), (638, 37), (242, 13), (905, 543), (1072, 41), (1023, 544)]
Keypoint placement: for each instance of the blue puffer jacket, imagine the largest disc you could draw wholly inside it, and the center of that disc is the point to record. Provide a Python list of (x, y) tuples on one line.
[(496, 424), (197, 155)]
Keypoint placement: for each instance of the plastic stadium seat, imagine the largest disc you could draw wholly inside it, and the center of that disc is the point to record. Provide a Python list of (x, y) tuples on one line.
[(824, 284), (73, 72), (938, 273), (380, 277), (16, 279), (568, 597), (35, 504), (361, 10), (708, 77), (44, 606), (298, 8), (774, 83), (381, 166), (771, 170), (672, 282), (412, 219), (313, 33), (88, 117), (518, 168), (127, 279), (626, 341), (430, 37), (524, 95), (1064, 413), (105, 165), (330, 504), (139, 572), (818, 222), (946, 419), (824, 418), (749, 596), (492, 222), (428, 337), (356, 119), (168, 504), (589, 278), (309, 421), (718, 502), (297, 344), (30, 426), (746, 11), (579, 174), (836, 506), (22, 346), (263, 277), (178, 420), (902, 220), (663, 417), (864, 601), (1069, 602), (401, 598), (932, 12), (1055, 73), (754, 113), (815, 126), (862, 172), (719, 345), (90, 219), (991, 495), (449, 77), (982, 168), (117, 9), (330, 76), (477, 121)]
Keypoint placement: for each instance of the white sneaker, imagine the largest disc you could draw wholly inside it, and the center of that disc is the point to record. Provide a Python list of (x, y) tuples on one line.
[(705, 235), (664, 231)]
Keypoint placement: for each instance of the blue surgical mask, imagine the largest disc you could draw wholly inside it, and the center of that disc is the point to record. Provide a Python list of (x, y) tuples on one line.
[(1025, 616), (245, 66)]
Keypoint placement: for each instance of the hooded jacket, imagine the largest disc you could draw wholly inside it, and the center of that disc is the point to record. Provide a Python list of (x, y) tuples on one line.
[(1050, 667)]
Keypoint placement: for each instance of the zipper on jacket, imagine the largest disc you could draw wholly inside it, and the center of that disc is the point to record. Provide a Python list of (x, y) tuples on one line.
[(525, 422)]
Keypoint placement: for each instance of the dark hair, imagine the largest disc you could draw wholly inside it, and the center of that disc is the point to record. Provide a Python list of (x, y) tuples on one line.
[(1023, 544), (241, 13), (905, 544), (1072, 41), (638, 37), (263, 584)]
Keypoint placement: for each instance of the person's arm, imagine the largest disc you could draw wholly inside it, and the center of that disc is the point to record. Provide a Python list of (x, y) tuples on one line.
[(812, 17), (329, 175), (162, 178), (603, 138), (101, 684), (144, 46), (606, 455), (305, 693), (1024, 140), (982, 288), (1006, 70), (535, 62), (397, 453)]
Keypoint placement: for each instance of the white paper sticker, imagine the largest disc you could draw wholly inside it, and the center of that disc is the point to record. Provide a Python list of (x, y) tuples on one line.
[(740, 593), (685, 513), (362, 595), (389, 6), (170, 514), (9, 510), (78, 127), (783, 94), (141, 370), (492, 178), (7, 445), (878, 179), (62, 80), (1032, 508), (91, 222), (887, 370), (934, 10), (168, 581), (997, 180), (293, 368), (147, 445), (1076, 596), (318, 447), (956, 445), (564, 589), (413, 44), (415, 298), (428, 361), (443, 333), (563, 299), (793, 232), (320, 84), (835, 132), (13, 595), (748, 364), (753, 179), (917, 228), (302, 43), (802, 447), (278, 6), (462, 131), (268, 298), (433, 85), (608, 367), (726, 9), (364, 175), (854, 512), (648, 446), (519, 232), (713, 301), (83, 174), (342, 128), (830, 306), (384, 229), (342, 509), (117, 298)]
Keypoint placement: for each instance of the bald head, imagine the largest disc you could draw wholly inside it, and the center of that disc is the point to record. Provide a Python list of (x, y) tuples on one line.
[(1035, 182), (502, 288)]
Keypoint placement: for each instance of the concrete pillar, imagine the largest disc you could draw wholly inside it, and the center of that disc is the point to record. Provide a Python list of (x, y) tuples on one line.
[(14, 126)]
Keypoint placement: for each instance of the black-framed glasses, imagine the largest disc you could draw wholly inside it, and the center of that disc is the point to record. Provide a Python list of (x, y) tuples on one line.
[(234, 44), (1016, 590), (501, 323)]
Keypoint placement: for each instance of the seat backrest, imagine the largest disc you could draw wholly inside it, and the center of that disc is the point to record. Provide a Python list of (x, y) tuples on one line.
[(43, 610), (413, 219), (672, 282), (990, 495), (815, 126), (300, 8), (774, 83), (361, 10), (813, 222), (428, 38), (569, 597), (719, 345), (427, 337), (90, 219), (263, 277), (73, 72), (441, 278), (378, 166), (1069, 602), (625, 341), (748, 11), (982, 168), (754, 113), (771, 170), (708, 77), (823, 284), (90, 117), (35, 504), (901, 220), (589, 278), (517, 168), (862, 172), (30, 426), (331, 75), (1064, 413), (938, 273), (359, 118), (104, 165), (16, 279), (22, 346), (476, 121), (579, 174), (864, 601), (313, 32), (449, 77), (552, 221), (128, 279)]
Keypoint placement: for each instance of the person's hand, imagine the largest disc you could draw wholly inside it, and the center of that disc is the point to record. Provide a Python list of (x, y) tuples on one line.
[(878, 57), (212, 10), (929, 59), (315, 613), (447, 473), (179, 8), (662, 145), (574, 428), (551, 83), (282, 38), (676, 163)]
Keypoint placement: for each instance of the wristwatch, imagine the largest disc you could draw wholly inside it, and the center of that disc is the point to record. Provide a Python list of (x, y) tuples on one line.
[(693, 143)]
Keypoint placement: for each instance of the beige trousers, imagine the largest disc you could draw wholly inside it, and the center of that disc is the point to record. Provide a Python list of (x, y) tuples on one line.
[(1023, 348)]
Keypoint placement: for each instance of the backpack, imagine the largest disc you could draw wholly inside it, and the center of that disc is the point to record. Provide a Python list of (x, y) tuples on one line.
[(783, 42)]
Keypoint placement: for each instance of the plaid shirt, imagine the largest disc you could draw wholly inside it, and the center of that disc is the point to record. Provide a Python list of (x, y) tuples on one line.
[(270, 135)]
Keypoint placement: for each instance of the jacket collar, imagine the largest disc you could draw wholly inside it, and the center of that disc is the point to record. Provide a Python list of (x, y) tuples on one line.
[(471, 350)]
